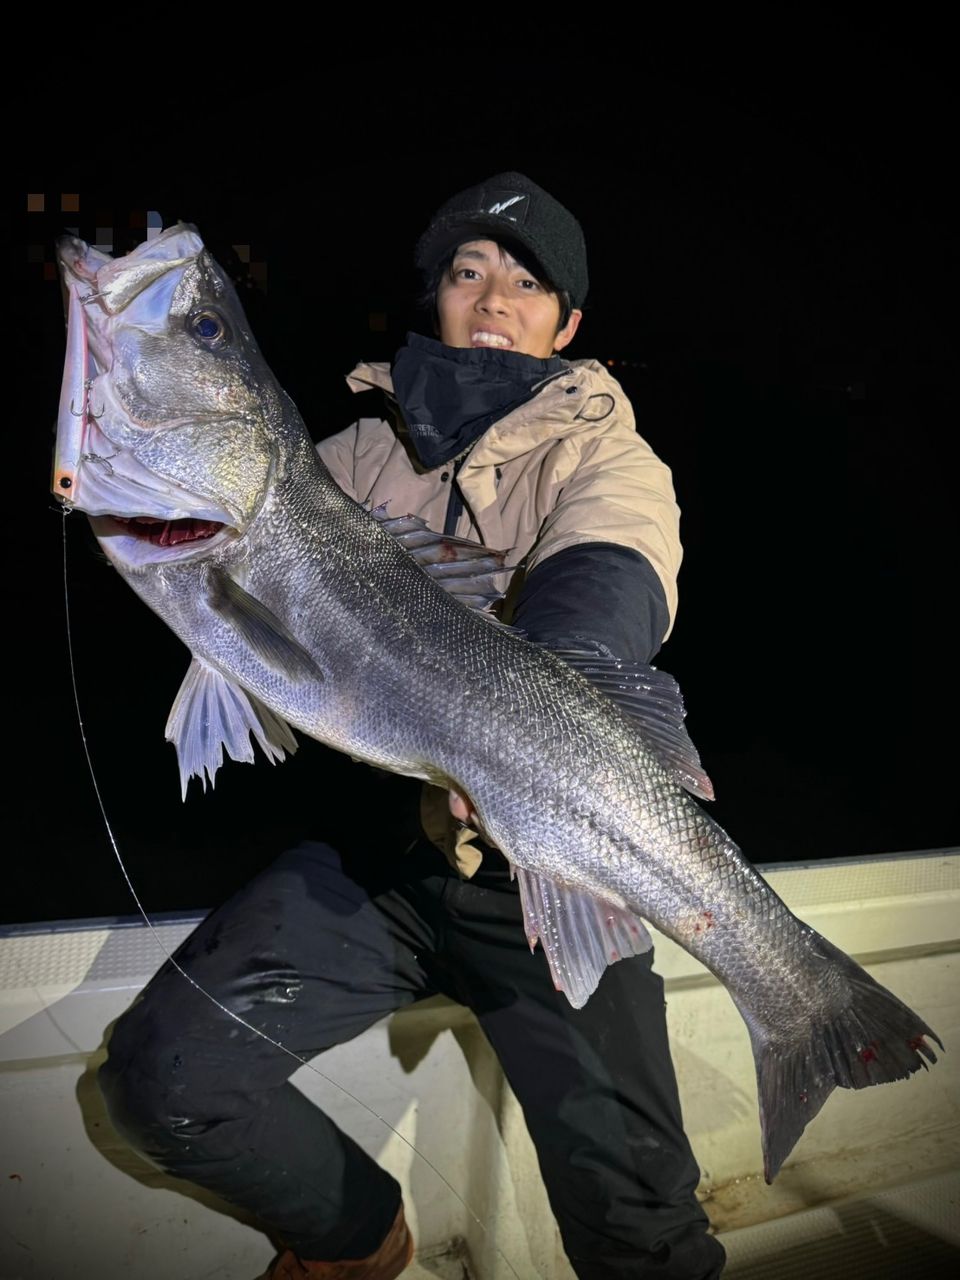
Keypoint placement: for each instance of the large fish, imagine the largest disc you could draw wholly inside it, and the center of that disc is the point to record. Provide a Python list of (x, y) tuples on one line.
[(301, 608)]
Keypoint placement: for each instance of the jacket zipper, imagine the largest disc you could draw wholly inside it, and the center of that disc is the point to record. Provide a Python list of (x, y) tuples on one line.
[(455, 501)]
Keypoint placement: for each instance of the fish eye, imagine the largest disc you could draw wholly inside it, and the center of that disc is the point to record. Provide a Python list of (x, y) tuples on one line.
[(208, 326)]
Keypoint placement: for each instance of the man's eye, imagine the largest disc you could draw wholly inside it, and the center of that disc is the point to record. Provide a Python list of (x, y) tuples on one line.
[(529, 284), (467, 273)]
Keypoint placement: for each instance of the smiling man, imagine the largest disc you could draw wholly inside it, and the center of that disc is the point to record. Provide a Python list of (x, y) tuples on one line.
[(489, 299), (490, 434)]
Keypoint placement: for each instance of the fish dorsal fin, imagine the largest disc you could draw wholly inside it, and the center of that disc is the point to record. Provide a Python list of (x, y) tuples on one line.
[(580, 934), (211, 713), (654, 702), (465, 569)]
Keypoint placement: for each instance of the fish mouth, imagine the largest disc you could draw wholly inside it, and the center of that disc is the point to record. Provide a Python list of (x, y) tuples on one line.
[(138, 543), (168, 533)]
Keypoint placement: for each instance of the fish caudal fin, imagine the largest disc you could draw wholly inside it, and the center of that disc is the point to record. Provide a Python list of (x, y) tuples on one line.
[(581, 934), (874, 1038)]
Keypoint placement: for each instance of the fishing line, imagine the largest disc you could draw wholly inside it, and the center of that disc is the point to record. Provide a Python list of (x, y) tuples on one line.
[(277, 1044)]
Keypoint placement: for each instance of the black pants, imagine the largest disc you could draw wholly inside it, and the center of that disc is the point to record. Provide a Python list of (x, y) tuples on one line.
[(322, 945)]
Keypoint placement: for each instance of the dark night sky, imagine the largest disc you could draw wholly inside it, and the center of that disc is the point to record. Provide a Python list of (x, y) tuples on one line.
[(772, 254)]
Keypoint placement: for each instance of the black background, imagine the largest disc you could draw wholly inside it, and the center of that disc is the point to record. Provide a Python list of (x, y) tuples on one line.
[(773, 268)]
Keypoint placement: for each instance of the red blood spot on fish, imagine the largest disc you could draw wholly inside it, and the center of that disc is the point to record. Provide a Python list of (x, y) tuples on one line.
[(708, 919), (804, 1097), (610, 922), (697, 929), (614, 957), (869, 1054), (448, 552), (917, 1043)]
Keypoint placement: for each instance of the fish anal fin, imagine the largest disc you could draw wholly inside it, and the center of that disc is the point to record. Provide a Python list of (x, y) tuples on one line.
[(580, 934), (211, 714)]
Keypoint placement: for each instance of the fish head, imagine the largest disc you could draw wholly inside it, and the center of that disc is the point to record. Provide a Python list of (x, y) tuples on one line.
[(171, 426)]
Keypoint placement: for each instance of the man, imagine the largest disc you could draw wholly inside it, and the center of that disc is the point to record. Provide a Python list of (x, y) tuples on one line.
[(491, 435)]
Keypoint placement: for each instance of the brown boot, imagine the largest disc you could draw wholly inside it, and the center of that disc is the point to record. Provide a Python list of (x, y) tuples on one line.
[(393, 1256)]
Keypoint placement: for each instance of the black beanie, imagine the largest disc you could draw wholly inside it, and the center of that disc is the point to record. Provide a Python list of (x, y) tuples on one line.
[(511, 207)]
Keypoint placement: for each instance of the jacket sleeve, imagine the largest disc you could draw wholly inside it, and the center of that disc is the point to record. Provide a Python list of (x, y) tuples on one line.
[(595, 596), (614, 533)]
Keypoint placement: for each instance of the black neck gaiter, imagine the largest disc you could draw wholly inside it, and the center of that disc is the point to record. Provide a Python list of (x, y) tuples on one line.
[(449, 396)]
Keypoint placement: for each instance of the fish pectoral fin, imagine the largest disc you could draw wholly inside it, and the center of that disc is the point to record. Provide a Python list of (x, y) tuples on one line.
[(211, 713), (262, 630), (580, 934), (652, 699)]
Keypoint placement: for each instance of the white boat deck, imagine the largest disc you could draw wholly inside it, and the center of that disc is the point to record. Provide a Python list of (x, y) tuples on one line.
[(872, 1188), (910, 1229)]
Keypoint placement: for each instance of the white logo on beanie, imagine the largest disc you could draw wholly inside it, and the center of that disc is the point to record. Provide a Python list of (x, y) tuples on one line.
[(501, 205)]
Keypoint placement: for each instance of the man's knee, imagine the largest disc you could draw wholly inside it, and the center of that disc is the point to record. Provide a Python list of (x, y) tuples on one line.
[(158, 1094)]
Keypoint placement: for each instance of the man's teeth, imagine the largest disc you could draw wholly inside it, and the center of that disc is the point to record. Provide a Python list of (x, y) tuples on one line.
[(492, 339)]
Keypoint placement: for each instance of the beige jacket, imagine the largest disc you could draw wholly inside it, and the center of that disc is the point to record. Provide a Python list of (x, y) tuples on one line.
[(566, 467)]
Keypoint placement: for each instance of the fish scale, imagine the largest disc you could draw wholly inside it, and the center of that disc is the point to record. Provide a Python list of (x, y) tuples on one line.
[(300, 609)]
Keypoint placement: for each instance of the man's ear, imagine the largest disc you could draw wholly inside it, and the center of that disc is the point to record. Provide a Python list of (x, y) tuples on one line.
[(569, 329)]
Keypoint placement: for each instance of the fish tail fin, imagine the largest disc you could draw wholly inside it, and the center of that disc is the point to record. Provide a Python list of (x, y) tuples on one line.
[(869, 1038)]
